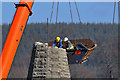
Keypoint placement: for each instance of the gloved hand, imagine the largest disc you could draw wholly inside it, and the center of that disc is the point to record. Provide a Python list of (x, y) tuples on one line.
[(67, 48)]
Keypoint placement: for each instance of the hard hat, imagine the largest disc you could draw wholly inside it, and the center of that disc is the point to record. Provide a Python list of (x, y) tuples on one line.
[(57, 39), (65, 39)]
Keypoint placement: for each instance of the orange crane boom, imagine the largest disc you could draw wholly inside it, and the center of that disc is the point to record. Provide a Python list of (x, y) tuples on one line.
[(17, 27)]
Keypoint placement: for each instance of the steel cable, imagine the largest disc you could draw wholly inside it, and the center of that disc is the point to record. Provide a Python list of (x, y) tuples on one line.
[(57, 11), (114, 11), (52, 11), (70, 11), (77, 11)]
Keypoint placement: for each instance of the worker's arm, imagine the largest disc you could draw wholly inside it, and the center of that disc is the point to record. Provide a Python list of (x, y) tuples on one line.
[(69, 44), (54, 43), (61, 44)]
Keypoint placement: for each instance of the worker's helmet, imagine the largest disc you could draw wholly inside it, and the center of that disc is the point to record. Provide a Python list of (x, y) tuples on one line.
[(57, 39), (65, 39)]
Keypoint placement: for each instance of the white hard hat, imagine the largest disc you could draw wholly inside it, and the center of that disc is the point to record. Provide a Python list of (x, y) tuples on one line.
[(65, 39)]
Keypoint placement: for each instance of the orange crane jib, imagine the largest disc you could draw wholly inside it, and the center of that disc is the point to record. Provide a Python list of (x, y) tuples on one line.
[(17, 27), (18, 5)]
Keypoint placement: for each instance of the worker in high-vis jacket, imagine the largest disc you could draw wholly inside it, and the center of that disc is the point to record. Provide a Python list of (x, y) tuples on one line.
[(68, 44), (58, 42)]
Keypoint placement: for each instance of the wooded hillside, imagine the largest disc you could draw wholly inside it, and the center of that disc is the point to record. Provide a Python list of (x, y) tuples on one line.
[(103, 63)]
